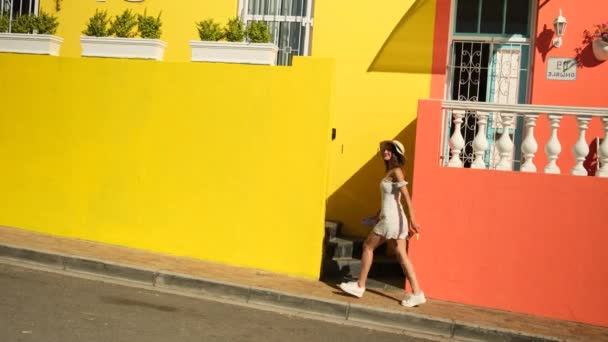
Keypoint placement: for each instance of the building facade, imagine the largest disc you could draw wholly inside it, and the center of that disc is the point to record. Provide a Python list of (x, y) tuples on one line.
[(240, 164)]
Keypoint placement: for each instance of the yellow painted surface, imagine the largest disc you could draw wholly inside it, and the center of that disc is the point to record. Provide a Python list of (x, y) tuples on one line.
[(220, 162), (178, 18), (383, 55)]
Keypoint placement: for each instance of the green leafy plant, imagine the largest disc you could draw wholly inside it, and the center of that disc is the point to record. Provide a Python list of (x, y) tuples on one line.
[(123, 25), (258, 32), (46, 23), (209, 30), (149, 26), (97, 25), (4, 23), (24, 24), (233, 31)]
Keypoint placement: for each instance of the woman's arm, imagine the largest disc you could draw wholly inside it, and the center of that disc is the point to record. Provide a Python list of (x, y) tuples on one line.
[(408, 201)]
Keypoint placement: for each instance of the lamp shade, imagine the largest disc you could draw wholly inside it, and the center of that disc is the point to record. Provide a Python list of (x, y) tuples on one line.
[(559, 24)]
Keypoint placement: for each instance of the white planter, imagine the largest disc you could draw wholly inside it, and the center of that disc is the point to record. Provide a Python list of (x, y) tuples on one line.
[(40, 44), (231, 52), (600, 49), (122, 47)]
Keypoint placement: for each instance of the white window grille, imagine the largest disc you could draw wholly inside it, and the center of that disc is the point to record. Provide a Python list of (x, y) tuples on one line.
[(15, 8), (290, 23)]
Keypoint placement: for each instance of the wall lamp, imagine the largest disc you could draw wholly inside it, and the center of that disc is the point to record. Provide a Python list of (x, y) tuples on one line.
[(559, 24)]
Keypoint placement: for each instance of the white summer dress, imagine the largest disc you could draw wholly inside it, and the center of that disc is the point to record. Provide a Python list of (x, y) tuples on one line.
[(393, 222)]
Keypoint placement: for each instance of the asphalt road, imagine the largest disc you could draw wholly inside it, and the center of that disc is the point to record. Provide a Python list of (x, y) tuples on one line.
[(42, 306)]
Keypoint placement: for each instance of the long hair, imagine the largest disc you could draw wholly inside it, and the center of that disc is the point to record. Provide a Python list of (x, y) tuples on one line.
[(397, 160)]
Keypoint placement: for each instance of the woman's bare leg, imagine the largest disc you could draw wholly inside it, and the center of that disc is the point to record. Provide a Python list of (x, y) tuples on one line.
[(406, 264), (371, 243)]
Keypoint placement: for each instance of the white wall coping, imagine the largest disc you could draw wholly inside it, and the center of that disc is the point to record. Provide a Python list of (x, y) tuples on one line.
[(123, 41), (524, 108), (230, 45), (31, 36)]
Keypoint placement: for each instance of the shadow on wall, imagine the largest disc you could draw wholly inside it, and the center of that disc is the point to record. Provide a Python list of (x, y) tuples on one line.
[(361, 193), (584, 54), (544, 42), (408, 48)]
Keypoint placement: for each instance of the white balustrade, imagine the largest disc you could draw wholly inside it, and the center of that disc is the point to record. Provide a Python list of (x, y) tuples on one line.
[(603, 151), (480, 143), (504, 144), (553, 147), (529, 147), (457, 140), (502, 149), (581, 148)]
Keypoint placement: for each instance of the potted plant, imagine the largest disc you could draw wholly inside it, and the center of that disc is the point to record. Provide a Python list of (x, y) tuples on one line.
[(117, 38), (30, 34), (234, 43), (599, 41)]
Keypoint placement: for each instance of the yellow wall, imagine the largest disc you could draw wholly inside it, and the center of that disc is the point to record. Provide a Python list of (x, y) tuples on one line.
[(213, 161), (383, 55), (178, 18)]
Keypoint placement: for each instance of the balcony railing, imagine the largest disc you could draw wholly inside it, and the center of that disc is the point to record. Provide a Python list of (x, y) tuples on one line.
[(501, 137)]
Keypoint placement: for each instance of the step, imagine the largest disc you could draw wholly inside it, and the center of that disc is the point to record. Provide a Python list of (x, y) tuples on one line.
[(348, 247), (382, 266)]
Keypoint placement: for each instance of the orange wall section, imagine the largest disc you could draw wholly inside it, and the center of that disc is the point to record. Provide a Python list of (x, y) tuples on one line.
[(588, 89), (529, 243)]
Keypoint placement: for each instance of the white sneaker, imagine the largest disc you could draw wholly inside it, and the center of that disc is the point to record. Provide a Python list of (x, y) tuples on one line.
[(353, 288), (414, 300)]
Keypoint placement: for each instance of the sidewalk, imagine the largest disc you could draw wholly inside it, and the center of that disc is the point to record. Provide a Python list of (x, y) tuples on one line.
[(242, 284)]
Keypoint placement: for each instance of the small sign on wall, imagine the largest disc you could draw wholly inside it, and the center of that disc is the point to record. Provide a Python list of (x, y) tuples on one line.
[(561, 69)]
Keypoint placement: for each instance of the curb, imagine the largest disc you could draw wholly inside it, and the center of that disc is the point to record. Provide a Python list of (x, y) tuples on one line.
[(254, 295)]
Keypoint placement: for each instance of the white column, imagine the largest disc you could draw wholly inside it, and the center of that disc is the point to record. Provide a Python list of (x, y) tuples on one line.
[(553, 147), (529, 147), (457, 140), (603, 151), (581, 148), (480, 143), (504, 144)]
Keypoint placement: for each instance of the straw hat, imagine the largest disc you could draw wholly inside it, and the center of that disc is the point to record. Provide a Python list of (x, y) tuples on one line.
[(398, 146)]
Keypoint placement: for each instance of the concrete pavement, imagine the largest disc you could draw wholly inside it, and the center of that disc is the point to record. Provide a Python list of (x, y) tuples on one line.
[(445, 319), (49, 306)]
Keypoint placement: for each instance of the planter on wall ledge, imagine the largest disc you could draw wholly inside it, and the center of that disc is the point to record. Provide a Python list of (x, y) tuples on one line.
[(600, 49), (231, 52), (122, 47), (40, 44)]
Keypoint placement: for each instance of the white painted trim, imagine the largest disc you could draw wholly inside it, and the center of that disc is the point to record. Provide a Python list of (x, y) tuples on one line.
[(524, 108), (122, 47), (39, 44), (234, 52), (282, 18), (490, 39)]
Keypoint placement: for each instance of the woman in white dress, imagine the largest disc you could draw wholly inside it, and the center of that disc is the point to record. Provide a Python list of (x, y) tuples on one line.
[(391, 225)]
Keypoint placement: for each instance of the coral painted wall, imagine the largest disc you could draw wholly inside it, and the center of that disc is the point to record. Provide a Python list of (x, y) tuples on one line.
[(588, 89), (522, 242)]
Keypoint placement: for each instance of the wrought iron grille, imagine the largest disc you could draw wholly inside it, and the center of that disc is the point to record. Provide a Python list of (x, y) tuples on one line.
[(486, 71)]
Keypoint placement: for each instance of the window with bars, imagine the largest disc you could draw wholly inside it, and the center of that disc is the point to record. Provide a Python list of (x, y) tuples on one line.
[(15, 8), (290, 23), (488, 62)]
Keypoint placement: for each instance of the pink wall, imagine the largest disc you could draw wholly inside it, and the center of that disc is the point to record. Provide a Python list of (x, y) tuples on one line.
[(529, 243)]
